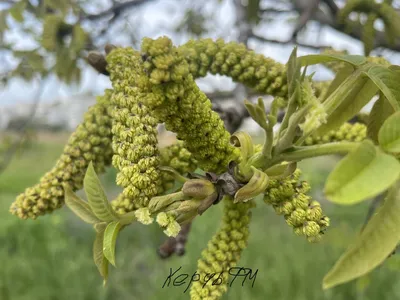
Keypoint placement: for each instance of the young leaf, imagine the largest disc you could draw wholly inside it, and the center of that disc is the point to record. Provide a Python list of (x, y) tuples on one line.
[(373, 245), (98, 256), (362, 174), (389, 134), (79, 207), (354, 60), (257, 185), (379, 113), (387, 81), (341, 75), (96, 197), (110, 238), (243, 140), (361, 93), (293, 71), (17, 10)]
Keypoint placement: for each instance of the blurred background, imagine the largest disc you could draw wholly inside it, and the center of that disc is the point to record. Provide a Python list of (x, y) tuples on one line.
[(46, 86)]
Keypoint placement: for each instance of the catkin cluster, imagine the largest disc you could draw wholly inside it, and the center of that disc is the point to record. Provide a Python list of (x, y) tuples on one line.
[(177, 101), (175, 156), (289, 198), (347, 132), (134, 131), (180, 159), (223, 250), (91, 141)]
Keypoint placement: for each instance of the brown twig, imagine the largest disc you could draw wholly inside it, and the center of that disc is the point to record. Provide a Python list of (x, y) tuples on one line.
[(175, 245), (117, 8), (288, 42)]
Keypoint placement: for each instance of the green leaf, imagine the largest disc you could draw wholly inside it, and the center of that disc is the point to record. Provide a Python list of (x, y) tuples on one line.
[(98, 256), (379, 113), (17, 10), (96, 196), (373, 245), (387, 81), (361, 93), (363, 173), (257, 185), (389, 134), (110, 238), (341, 75), (354, 60), (257, 112), (79, 207), (244, 141)]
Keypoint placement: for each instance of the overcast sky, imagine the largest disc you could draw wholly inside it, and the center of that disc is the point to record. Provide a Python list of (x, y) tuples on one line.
[(158, 18)]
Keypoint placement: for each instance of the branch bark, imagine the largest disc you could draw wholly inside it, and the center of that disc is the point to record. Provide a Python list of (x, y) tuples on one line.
[(115, 9)]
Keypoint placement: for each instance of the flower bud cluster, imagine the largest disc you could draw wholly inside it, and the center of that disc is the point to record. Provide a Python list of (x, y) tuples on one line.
[(223, 250), (91, 141), (289, 198), (347, 132), (181, 207)]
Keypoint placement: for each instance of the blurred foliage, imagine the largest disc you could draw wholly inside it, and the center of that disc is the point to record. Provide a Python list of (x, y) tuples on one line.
[(59, 45), (63, 32)]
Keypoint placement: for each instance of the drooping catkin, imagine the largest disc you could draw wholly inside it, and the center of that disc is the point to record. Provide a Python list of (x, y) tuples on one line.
[(134, 131), (177, 101), (347, 132), (91, 141), (223, 250), (290, 198)]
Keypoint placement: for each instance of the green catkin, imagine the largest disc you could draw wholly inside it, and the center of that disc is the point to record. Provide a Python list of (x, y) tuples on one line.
[(91, 141), (383, 11), (134, 130), (175, 156), (223, 251), (177, 101), (236, 61), (289, 198), (390, 19), (350, 6), (347, 132), (180, 159), (368, 34)]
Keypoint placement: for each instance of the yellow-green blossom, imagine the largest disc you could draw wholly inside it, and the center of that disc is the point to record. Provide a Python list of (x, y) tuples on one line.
[(177, 101), (289, 197), (134, 130), (223, 250), (347, 132), (236, 61), (91, 141)]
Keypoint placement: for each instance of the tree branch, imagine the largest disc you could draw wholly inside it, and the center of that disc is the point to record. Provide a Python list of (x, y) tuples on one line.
[(288, 42), (115, 9), (305, 16)]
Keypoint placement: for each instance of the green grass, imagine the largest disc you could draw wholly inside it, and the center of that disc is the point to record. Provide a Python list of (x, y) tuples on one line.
[(50, 258)]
